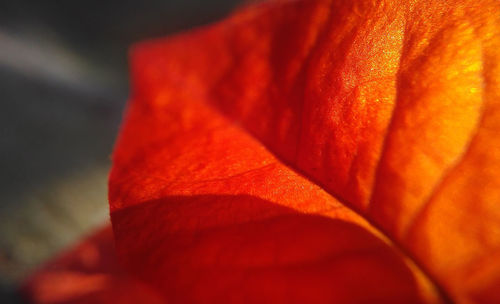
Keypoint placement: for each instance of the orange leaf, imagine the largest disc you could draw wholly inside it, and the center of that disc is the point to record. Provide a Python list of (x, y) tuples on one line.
[(316, 151)]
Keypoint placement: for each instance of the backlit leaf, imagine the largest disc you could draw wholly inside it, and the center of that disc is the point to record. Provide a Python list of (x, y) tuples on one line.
[(316, 152)]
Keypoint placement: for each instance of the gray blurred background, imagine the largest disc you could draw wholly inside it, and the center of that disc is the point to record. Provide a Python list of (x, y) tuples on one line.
[(63, 86)]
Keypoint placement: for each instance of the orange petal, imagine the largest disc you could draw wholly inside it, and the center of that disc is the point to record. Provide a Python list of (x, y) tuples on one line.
[(390, 106), (205, 214)]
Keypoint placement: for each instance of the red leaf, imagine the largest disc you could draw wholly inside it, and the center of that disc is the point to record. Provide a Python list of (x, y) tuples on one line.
[(390, 107), (88, 273)]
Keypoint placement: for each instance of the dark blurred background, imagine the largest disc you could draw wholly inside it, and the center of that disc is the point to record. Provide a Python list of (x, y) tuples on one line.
[(63, 86)]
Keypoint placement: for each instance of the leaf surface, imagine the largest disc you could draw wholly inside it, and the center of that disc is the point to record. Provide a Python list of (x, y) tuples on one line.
[(316, 151)]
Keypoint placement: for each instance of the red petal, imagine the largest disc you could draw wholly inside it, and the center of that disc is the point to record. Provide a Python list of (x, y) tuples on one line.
[(88, 273), (392, 107), (206, 214)]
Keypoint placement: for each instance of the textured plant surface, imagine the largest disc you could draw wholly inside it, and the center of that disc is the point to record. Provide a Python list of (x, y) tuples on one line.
[(307, 152)]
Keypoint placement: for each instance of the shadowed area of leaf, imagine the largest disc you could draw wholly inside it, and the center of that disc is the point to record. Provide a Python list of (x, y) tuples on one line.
[(240, 248)]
